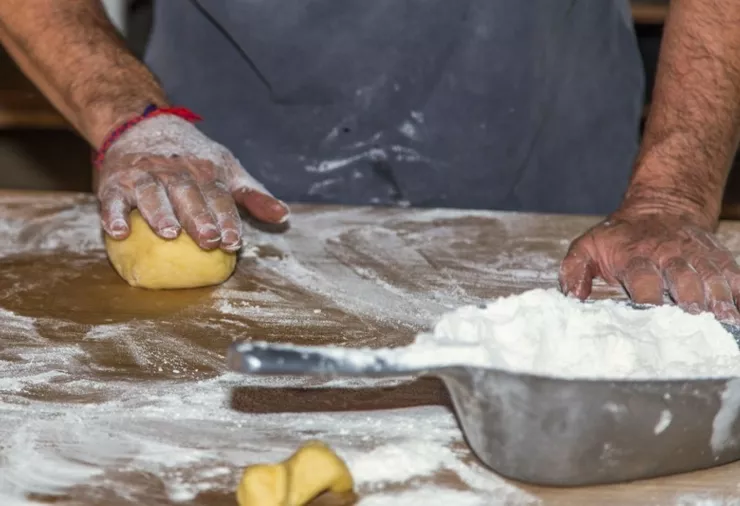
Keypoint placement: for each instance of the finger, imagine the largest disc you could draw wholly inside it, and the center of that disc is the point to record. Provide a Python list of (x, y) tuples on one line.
[(262, 206), (576, 275), (642, 281), (115, 206), (192, 212), (729, 268), (684, 285), (717, 292), (223, 208), (254, 197), (155, 207)]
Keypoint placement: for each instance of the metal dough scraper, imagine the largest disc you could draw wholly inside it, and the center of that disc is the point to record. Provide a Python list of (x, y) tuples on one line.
[(545, 430)]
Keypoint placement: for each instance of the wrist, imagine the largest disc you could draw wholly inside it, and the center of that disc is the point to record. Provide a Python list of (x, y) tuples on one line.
[(665, 182), (103, 119), (149, 112), (652, 198)]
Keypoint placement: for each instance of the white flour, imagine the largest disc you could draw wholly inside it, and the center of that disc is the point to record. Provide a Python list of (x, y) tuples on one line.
[(706, 500), (544, 332)]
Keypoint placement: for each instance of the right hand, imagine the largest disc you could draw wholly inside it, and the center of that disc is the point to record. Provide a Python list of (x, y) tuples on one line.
[(179, 178), (650, 252)]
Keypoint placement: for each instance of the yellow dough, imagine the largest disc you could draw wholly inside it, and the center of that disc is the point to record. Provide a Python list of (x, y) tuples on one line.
[(309, 472), (146, 260)]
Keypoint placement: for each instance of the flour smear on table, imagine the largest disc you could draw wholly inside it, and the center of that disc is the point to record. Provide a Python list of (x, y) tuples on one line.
[(77, 425), (172, 432)]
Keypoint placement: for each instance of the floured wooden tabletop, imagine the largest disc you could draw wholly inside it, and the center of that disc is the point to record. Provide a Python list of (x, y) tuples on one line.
[(118, 396)]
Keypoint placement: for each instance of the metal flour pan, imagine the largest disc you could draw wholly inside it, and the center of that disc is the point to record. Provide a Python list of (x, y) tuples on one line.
[(551, 431)]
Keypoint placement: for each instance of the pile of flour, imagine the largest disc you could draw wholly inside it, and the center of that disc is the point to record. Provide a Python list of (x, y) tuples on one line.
[(544, 332)]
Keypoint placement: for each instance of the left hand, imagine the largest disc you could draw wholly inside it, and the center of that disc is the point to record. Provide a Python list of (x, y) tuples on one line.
[(650, 253), (178, 178)]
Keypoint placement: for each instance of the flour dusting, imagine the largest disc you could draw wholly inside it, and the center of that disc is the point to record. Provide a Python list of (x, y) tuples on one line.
[(141, 408), (186, 435), (706, 500)]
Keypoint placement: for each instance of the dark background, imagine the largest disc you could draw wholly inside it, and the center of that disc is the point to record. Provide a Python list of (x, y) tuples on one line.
[(38, 150)]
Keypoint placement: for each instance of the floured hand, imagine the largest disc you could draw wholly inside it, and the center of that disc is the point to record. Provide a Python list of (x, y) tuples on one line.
[(652, 253), (179, 178)]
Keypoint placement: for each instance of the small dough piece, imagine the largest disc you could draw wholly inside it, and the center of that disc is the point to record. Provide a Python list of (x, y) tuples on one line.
[(146, 260), (308, 473), (263, 485)]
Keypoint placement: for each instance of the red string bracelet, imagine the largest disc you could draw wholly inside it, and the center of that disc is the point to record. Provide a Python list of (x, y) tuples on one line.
[(150, 112)]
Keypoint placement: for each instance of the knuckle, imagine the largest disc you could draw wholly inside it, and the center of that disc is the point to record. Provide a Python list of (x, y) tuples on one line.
[(228, 219), (640, 263), (110, 194), (176, 178), (203, 218), (692, 307), (723, 306), (726, 262), (215, 189), (685, 282), (161, 215), (677, 265), (126, 182), (187, 193), (110, 182), (704, 266), (146, 185), (715, 282)]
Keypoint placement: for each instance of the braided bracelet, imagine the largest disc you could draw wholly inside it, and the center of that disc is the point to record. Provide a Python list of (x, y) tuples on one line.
[(150, 112)]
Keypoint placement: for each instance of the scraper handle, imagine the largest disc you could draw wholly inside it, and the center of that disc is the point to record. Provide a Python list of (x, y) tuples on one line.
[(289, 360)]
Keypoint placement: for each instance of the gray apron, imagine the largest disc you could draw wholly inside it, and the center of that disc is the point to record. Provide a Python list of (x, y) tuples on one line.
[(527, 105)]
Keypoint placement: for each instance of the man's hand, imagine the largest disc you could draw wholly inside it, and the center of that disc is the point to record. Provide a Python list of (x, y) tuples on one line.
[(177, 177), (661, 239), (651, 253)]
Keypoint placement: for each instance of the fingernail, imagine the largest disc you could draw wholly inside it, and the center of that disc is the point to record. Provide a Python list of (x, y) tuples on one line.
[(230, 240), (118, 226), (231, 247), (208, 229), (169, 232), (169, 228), (280, 206)]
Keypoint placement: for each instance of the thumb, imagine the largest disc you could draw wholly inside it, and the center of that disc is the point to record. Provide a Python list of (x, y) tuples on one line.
[(262, 206), (254, 197), (577, 271)]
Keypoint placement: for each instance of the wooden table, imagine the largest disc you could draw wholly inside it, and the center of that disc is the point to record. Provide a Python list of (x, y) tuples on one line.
[(117, 396), (649, 12)]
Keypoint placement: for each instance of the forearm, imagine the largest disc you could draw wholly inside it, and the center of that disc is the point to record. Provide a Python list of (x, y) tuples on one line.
[(73, 54), (693, 129)]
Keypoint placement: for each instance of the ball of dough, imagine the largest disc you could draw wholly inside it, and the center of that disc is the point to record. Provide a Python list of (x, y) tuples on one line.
[(312, 470), (146, 260)]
